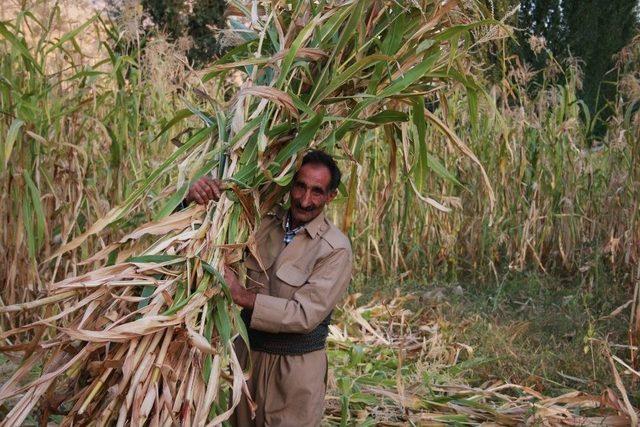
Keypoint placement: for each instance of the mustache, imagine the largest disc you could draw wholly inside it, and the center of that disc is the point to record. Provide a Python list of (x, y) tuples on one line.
[(310, 208)]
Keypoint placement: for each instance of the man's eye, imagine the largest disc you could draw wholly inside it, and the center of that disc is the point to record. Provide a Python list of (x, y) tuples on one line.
[(317, 192)]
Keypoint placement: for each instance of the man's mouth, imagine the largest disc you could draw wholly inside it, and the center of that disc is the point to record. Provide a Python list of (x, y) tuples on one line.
[(308, 209)]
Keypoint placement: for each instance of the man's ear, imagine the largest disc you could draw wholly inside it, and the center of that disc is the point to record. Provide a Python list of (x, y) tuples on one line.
[(332, 195)]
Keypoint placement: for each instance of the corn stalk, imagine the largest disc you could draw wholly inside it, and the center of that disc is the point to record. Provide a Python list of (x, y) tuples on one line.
[(79, 103), (147, 336)]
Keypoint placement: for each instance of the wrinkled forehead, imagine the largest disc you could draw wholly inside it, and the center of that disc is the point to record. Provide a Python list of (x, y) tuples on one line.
[(314, 174)]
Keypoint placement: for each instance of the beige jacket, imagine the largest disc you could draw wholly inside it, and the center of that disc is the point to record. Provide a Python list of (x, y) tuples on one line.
[(302, 281), (299, 286)]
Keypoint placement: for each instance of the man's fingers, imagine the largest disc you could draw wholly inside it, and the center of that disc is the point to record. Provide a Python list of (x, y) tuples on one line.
[(227, 271), (229, 275), (203, 195), (204, 187), (197, 197), (214, 188)]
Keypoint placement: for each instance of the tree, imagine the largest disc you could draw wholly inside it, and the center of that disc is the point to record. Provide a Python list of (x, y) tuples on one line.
[(542, 18), (591, 30), (595, 32), (197, 20)]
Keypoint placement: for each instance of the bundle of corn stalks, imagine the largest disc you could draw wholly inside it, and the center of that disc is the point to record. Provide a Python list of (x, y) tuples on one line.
[(393, 366), (80, 101), (147, 337)]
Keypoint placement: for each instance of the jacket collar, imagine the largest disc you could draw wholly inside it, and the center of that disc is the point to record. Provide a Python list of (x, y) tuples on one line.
[(313, 227)]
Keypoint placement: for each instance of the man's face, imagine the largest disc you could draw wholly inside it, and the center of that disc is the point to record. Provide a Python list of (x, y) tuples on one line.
[(310, 192)]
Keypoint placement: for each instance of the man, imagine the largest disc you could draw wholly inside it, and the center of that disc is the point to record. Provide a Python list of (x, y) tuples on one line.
[(287, 305)]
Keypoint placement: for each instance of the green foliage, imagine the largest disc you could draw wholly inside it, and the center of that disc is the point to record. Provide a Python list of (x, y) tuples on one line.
[(253, 143), (77, 112), (596, 31), (84, 132), (539, 332), (543, 18), (592, 31), (178, 18)]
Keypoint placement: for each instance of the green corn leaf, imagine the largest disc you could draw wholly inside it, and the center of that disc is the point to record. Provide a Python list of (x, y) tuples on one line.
[(10, 139), (388, 116), (240, 326), (367, 399), (222, 320), (434, 164), (147, 291), (27, 218), (293, 50), (172, 202), (422, 164), (71, 35), (178, 117), (339, 79), (302, 140), (156, 259), (41, 221), (411, 76), (20, 46)]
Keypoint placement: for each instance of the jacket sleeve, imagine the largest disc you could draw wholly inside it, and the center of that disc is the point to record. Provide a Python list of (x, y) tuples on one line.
[(311, 303)]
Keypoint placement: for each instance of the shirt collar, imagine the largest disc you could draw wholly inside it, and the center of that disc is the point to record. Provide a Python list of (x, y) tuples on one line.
[(287, 225), (313, 227)]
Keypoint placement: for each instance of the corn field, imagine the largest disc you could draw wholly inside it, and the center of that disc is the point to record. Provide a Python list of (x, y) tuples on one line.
[(117, 300)]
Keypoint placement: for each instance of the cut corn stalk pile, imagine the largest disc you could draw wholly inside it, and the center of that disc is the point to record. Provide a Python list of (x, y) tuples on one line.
[(392, 366), (147, 336)]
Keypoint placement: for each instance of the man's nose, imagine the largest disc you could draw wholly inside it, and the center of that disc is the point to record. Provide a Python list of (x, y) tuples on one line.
[(306, 199)]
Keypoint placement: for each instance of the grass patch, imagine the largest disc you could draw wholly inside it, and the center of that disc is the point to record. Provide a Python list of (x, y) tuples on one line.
[(471, 353), (536, 330)]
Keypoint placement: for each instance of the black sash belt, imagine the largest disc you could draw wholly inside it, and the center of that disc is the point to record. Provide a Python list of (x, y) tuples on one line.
[(287, 343)]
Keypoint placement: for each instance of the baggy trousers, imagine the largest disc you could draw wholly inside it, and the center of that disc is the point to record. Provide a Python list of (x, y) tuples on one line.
[(288, 390)]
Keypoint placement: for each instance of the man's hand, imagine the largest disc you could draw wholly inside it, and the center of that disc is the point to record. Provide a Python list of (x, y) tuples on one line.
[(240, 295), (204, 190)]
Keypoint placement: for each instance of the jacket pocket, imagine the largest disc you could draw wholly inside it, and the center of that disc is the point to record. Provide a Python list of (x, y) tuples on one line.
[(251, 263), (256, 278), (292, 275)]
